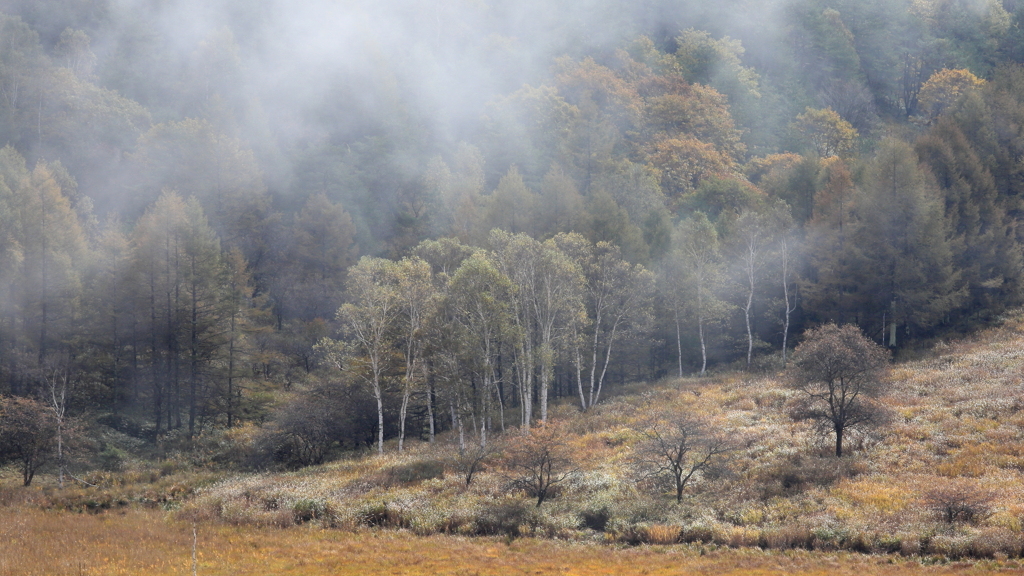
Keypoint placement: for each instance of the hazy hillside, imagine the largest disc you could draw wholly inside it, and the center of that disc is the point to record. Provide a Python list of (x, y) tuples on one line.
[(251, 242), (941, 478)]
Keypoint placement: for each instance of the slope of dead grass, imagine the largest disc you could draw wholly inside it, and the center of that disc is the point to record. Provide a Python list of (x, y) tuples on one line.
[(956, 419)]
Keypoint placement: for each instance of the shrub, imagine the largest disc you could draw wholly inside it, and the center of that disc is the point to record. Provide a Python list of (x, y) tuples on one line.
[(507, 517), (959, 501), (597, 519), (307, 509)]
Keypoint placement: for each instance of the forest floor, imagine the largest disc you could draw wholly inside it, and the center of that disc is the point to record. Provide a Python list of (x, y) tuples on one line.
[(782, 504)]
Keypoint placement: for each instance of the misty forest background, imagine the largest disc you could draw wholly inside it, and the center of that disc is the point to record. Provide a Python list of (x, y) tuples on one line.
[(394, 219)]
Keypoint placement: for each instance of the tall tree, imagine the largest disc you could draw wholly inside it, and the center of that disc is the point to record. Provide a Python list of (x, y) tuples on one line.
[(753, 239), (204, 277), (905, 270), (692, 278), (478, 302), (618, 296), (417, 299), (370, 320)]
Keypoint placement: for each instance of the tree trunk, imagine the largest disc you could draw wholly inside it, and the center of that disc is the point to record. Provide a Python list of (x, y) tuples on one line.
[(679, 341)]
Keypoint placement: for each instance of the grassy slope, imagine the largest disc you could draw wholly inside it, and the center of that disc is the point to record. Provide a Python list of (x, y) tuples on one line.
[(955, 420)]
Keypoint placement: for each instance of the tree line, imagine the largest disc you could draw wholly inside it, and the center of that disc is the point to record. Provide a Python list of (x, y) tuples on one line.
[(622, 217)]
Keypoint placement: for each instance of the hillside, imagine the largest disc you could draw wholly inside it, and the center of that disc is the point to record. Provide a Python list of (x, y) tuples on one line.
[(954, 444)]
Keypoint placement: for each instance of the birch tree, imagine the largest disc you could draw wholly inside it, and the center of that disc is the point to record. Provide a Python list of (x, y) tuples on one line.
[(416, 298), (370, 320), (692, 276), (619, 298), (478, 298)]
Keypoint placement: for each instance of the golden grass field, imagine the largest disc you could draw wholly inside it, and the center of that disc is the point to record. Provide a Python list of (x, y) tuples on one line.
[(786, 506), (146, 542)]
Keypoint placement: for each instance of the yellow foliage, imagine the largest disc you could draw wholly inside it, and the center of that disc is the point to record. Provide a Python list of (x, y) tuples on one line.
[(826, 132), (944, 88)]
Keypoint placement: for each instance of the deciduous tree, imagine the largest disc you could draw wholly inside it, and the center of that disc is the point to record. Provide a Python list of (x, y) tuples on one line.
[(840, 372)]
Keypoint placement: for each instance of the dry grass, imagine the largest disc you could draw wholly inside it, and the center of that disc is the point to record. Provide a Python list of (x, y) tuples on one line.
[(957, 419), (148, 542)]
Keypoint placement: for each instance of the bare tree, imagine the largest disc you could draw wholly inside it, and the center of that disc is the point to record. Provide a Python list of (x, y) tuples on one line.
[(841, 371), (539, 460), (469, 462), (679, 447)]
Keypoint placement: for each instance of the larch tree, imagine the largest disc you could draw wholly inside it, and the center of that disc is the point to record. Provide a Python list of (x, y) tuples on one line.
[(54, 248), (905, 268), (204, 277), (157, 269)]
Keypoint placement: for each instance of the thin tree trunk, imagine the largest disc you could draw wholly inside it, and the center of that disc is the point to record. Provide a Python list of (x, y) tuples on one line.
[(746, 316), (679, 340), (579, 378)]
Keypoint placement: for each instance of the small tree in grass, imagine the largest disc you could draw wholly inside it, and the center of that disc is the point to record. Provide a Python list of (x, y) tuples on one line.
[(540, 459), (27, 434), (841, 372), (678, 448)]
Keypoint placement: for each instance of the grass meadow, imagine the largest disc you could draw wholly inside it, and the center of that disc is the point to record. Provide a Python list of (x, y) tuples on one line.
[(938, 490), (151, 542)]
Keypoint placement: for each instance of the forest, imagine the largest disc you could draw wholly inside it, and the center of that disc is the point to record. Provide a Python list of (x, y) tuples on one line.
[(342, 223)]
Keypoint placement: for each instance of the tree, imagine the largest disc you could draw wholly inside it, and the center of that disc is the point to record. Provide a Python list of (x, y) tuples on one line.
[(547, 305), (511, 205), (370, 320), (478, 306), (53, 245), (941, 91), (678, 447), (203, 279), (754, 236), (826, 132), (691, 275), (539, 460), (904, 269), (26, 434), (416, 300), (618, 296), (321, 252), (825, 288), (841, 372)]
